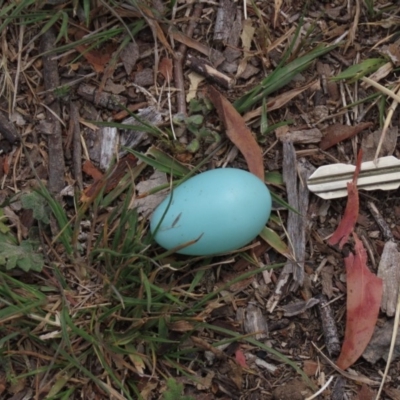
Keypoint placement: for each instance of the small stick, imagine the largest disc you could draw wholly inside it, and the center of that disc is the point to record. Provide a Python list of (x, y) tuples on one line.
[(77, 148), (386, 232), (178, 68), (331, 336), (204, 68), (51, 79)]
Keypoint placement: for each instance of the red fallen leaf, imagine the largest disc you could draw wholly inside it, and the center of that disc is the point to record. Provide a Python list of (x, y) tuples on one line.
[(89, 169), (350, 216), (337, 133), (240, 358), (165, 68), (364, 294), (238, 132)]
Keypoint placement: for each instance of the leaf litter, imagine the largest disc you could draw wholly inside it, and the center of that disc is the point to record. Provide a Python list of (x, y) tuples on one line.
[(99, 264)]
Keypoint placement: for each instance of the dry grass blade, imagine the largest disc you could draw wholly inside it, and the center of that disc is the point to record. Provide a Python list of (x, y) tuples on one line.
[(392, 345), (388, 120)]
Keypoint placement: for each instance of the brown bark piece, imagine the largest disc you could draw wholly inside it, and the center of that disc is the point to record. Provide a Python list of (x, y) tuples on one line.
[(329, 329), (102, 99), (299, 307), (77, 147), (224, 21), (204, 68), (337, 133), (51, 79), (232, 53), (313, 135), (7, 129), (298, 197)]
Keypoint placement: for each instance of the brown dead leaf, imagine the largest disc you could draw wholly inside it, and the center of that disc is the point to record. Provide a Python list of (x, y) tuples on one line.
[(89, 169), (310, 367), (97, 58), (337, 133), (129, 55), (365, 393), (165, 68), (349, 219), (180, 326), (155, 27), (238, 132), (109, 182)]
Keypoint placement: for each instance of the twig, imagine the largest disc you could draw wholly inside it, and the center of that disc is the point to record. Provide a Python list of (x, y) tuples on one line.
[(331, 336), (178, 68), (387, 233), (357, 378), (55, 146), (77, 148)]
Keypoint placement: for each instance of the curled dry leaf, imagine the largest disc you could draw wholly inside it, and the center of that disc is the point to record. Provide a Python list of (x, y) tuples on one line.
[(165, 68), (364, 294), (238, 132), (337, 133), (97, 58), (349, 219), (89, 169)]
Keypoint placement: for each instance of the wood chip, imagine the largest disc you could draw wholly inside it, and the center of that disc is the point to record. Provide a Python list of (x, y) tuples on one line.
[(313, 135), (253, 321)]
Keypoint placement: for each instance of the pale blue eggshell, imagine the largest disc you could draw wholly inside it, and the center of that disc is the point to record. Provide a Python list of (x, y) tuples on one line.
[(224, 208)]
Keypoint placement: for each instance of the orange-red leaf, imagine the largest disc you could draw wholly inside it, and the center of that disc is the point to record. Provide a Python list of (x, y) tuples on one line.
[(346, 225), (238, 132), (364, 294)]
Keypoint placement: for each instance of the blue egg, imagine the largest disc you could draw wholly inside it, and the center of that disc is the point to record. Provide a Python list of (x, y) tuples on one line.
[(222, 210)]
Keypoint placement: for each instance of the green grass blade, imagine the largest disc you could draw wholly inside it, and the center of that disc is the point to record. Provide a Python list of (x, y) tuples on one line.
[(280, 78)]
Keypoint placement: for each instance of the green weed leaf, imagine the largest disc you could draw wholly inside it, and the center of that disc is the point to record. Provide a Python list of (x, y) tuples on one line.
[(22, 256), (35, 202), (174, 391)]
